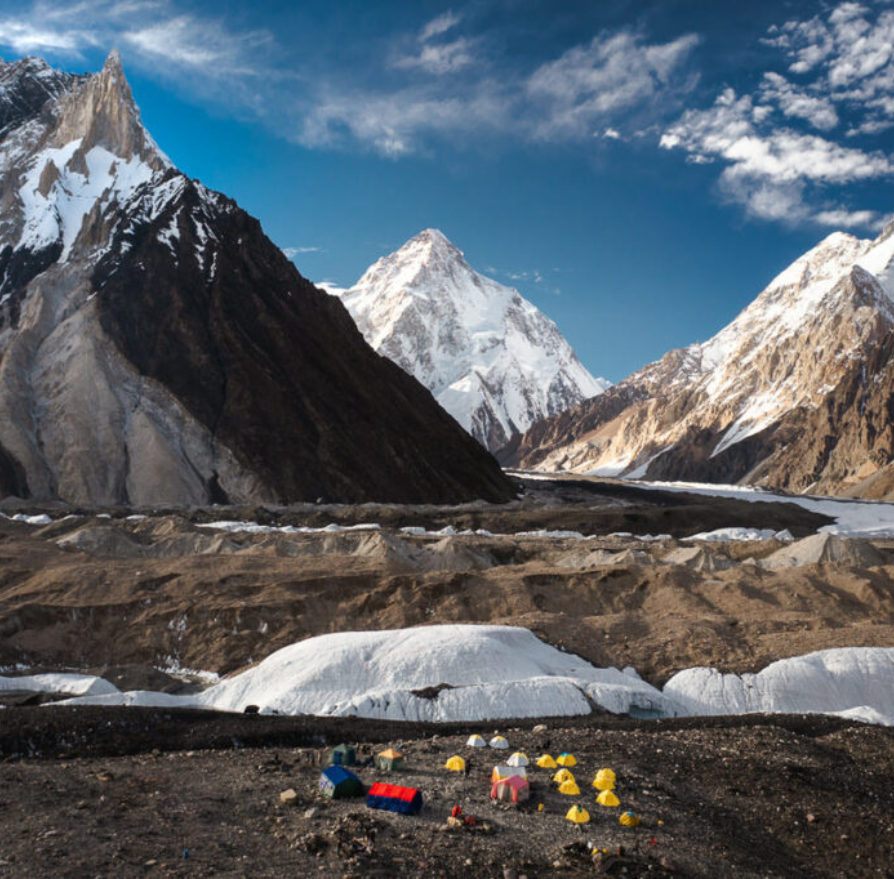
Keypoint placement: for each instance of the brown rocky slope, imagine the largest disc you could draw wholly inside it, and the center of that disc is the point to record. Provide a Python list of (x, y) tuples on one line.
[(795, 394)]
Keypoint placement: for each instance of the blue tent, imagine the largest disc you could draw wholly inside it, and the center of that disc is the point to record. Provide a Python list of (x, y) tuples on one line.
[(336, 783)]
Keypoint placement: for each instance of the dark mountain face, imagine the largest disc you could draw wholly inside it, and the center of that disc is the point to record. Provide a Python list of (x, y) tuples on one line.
[(25, 86), (275, 368), (156, 347)]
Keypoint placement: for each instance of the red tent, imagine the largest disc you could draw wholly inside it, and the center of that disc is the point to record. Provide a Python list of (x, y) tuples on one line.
[(513, 789), (394, 798)]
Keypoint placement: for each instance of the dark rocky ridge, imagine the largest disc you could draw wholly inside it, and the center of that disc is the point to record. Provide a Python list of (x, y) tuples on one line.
[(25, 86)]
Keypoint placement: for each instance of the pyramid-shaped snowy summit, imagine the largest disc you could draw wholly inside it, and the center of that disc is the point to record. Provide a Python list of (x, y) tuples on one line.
[(491, 358)]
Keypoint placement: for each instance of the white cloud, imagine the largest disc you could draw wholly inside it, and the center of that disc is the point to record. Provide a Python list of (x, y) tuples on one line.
[(291, 252), (440, 25), (841, 65), (850, 53), (440, 58), (840, 218), (602, 81), (206, 44), (151, 31), (769, 170), (611, 73), (25, 38), (396, 124), (794, 102)]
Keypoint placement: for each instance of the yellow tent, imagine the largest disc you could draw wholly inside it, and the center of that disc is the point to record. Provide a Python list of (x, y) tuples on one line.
[(566, 760), (563, 775), (546, 762), (569, 788), (476, 741), (455, 764), (604, 780), (578, 815), (629, 819), (499, 743), (607, 798), (518, 759)]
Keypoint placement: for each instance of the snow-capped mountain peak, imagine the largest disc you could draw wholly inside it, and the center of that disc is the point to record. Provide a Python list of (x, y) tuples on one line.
[(490, 357)]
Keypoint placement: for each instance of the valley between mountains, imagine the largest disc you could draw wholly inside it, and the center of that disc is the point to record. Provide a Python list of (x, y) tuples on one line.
[(241, 511)]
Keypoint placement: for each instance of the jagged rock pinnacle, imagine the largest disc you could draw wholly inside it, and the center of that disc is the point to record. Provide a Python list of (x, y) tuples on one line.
[(113, 62), (102, 112)]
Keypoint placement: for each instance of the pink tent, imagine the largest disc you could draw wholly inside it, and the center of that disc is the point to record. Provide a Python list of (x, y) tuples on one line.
[(513, 789)]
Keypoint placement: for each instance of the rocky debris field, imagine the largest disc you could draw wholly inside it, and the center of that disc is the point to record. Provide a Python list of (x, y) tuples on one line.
[(800, 796), (94, 590)]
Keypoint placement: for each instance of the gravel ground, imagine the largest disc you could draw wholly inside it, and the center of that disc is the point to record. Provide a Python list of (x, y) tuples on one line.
[(753, 797)]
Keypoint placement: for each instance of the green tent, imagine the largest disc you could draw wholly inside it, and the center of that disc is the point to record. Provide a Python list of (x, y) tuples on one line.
[(343, 755), (337, 783), (390, 760)]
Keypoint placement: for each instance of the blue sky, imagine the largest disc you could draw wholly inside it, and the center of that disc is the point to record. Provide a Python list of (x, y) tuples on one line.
[(639, 170)]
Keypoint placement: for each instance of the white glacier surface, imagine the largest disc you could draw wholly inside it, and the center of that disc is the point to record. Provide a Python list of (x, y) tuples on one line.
[(60, 682), (855, 682), (502, 672), (490, 672)]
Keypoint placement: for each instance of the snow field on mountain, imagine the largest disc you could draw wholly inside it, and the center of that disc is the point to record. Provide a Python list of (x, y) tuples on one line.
[(470, 672), (60, 213)]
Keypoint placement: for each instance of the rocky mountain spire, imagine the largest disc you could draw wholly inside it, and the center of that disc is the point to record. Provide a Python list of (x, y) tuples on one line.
[(156, 347), (102, 113)]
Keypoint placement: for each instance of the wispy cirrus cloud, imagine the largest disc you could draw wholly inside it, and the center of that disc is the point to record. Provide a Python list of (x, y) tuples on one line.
[(398, 123), (155, 33), (439, 25), (206, 45), (292, 252), (582, 93), (26, 38), (438, 56), (613, 72)]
